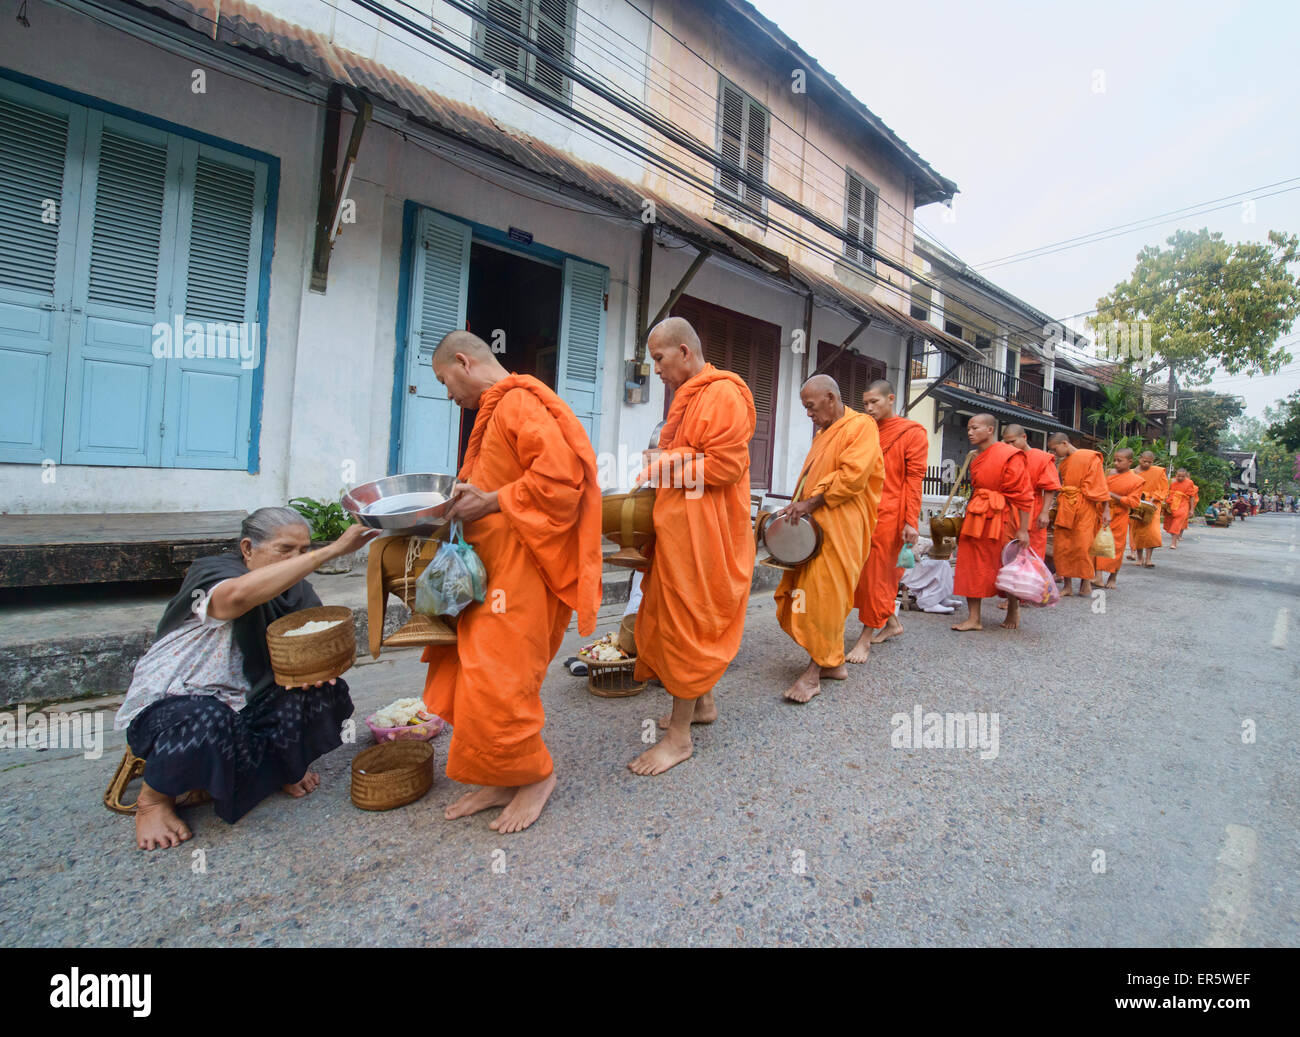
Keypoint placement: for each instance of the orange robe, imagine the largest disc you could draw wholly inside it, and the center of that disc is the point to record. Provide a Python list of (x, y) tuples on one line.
[(999, 477), (542, 555), (1042, 476), (1129, 487), (1082, 497), (905, 445), (692, 615), (1156, 490), (1183, 495), (846, 467)]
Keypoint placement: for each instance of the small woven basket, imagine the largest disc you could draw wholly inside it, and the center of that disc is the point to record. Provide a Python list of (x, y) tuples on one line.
[(613, 680), (312, 658), (391, 774)]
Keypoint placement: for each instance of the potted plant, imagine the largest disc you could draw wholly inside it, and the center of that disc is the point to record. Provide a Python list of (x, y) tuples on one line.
[(327, 520)]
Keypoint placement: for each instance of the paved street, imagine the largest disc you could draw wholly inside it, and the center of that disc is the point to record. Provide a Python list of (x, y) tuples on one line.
[(1122, 807)]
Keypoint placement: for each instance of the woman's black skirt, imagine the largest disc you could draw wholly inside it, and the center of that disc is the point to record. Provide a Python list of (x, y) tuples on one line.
[(198, 742)]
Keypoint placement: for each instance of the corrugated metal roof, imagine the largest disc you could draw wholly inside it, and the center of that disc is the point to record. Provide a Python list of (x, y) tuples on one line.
[(237, 23)]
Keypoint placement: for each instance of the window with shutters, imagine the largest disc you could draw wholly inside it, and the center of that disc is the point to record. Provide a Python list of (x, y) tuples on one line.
[(742, 144), (860, 220), (852, 372), (130, 268), (546, 24)]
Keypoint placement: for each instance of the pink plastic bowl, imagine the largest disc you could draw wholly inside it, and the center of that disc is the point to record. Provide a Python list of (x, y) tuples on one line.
[(408, 732)]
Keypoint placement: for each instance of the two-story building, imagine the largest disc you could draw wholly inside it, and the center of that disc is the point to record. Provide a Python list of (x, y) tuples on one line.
[(233, 234)]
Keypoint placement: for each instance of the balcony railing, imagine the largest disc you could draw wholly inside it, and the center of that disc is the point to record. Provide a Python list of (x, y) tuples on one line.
[(989, 381)]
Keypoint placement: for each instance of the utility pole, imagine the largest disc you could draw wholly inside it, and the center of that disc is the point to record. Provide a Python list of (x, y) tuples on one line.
[(1169, 414)]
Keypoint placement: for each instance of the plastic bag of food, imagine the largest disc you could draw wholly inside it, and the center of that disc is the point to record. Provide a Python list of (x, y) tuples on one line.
[(1103, 544), (1026, 577), (906, 559), (452, 580)]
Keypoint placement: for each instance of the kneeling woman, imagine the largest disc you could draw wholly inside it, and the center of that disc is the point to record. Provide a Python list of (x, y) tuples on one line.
[(203, 708)]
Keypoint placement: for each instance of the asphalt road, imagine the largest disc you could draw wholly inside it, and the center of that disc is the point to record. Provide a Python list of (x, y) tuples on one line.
[(1125, 805)]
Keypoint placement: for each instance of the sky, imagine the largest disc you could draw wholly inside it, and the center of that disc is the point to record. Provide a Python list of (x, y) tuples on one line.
[(1058, 120)]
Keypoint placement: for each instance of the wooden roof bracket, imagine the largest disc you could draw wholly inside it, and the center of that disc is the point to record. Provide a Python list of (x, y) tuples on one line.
[(333, 186)]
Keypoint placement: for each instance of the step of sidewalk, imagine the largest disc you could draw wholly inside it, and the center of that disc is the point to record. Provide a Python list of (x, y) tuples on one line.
[(87, 646)]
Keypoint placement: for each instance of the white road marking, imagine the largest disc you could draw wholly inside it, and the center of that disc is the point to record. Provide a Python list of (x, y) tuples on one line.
[(1229, 903), (1279, 627)]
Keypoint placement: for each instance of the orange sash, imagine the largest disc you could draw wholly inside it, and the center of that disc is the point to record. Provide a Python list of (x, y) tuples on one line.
[(1067, 506), (984, 515)]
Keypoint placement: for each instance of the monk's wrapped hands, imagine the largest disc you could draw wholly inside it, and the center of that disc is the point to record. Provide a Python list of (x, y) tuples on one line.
[(468, 503)]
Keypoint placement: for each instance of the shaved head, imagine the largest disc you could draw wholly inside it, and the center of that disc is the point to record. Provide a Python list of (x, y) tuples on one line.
[(878, 399), (984, 419), (881, 387), (1148, 454), (466, 366), (465, 342), (676, 331), (1016, 436), (822, 383), (981, 431), (1125, 452), (820, 396), (1057, 437), (1013, 431)]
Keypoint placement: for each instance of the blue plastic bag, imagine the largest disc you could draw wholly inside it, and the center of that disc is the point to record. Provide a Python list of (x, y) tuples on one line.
[(906, 560), (452, 580)]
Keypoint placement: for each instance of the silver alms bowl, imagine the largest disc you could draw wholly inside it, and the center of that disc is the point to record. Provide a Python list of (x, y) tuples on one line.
[(402, 505)]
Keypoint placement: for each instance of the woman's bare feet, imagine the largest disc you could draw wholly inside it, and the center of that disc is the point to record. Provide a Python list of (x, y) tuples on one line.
[(157, 825), (525, 806), (307, 783), (480, 799), (807, 687), (861, 650), (892, 629)]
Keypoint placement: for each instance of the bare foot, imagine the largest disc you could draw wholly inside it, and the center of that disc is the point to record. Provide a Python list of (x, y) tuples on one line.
[(970, 624), (1109, 584), (480, 799), (664, 756), (1012, 622), (298, 789), (807, 687), (706, 712), (525, 806), (1002, 605), (157, 825), (892, 629), (861, 650), (834, 673), (1085, 589)]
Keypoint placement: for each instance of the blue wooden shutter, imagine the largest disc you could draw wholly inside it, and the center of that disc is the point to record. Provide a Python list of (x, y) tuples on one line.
[(114, 403), (208, 400), (41, 139), (439, 288), (582, 341)]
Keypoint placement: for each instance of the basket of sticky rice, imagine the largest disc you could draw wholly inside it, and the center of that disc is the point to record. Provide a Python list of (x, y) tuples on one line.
[(610, 666), (405, 720), (312, 645)]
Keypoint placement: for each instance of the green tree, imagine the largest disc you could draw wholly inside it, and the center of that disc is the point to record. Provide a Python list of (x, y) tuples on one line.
[(1286, 426), (1120, 407), (1211, 304), (1208, 414)]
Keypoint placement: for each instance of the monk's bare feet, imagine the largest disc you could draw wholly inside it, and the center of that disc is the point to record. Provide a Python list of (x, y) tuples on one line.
[(807, 687), (157, 825), (861, 650), (834, 673), (1085, 588), (1110, 584), (892, 629), (706, 712), (1002, 606), (668, 753), (480, 799), (969, 624), (525, 806), (307, 783), (1012, 622)]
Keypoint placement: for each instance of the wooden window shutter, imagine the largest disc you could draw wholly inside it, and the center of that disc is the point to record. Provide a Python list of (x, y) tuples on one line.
[(217, 284), (859, 220), (755, 154), (731, 122), (551, 31), (127, 237), (496, 46), (33, 149)]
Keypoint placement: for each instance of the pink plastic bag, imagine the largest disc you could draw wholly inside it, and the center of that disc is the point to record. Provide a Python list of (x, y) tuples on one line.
[(1025, 576)]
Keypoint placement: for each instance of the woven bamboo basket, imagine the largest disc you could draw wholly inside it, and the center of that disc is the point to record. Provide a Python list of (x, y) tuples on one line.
[(391, 774), (128, 770), (312, 658), (613, 680)]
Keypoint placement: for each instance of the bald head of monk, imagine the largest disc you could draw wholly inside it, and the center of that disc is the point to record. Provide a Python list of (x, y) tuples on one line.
[(466, 365), (1181, 473), (1123, 460), (820, 396), (879, 400), (675, 349), (982, 431), (1016, 436), (1059, 444), (1146, 461)]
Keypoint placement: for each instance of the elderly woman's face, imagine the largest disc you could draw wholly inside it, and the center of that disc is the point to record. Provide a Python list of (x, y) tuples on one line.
[(286, 542)]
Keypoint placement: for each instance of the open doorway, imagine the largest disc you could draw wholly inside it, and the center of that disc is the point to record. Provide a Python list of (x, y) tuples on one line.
[(515, 301)]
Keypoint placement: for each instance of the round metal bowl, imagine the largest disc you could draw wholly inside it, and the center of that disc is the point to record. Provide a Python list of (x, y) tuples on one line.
[(402, 505)]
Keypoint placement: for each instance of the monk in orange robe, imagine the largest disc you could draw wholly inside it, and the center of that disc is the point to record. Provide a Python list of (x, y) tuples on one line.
[(1125, 494), (1044, 481), (1001, 499), (1183, 495), (529, 498), (692, 614), (840, 487), (1147, 537), (1082, 507), (905, 445)]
